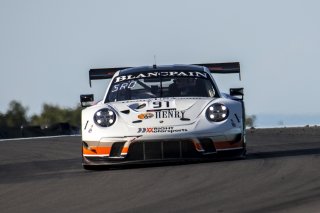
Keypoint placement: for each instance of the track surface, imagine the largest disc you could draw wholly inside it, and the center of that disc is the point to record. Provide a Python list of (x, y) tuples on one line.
[(281, 174)]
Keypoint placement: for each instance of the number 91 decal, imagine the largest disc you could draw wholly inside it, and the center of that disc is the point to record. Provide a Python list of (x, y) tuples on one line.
[(162, 104)]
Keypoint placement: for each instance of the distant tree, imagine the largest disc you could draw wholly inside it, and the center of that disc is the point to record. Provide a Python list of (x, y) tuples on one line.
[(75, 116), (250, 120), (2, 120), (52, 114), (36, 120), (16, 115)]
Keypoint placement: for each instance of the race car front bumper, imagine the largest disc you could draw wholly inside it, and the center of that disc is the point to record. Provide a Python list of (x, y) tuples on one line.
[(130, 151)]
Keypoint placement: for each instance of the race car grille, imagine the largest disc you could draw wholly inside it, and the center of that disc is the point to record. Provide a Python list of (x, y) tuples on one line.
[(162, 150)]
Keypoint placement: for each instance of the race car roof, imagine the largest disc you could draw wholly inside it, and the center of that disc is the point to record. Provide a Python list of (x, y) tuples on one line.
[(221, 68)]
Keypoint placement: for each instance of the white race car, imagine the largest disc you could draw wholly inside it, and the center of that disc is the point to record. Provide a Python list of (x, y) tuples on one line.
[(165, 113)]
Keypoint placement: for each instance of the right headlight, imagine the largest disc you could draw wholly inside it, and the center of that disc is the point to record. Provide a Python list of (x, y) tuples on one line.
[(217, 112), (104, 117)]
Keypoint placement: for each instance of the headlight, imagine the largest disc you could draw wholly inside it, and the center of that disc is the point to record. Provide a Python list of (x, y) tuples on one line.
[(104, 117), (217, 112)]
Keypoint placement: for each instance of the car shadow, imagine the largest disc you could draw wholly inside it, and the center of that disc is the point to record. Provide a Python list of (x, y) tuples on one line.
[(68, 168), (250, 156)]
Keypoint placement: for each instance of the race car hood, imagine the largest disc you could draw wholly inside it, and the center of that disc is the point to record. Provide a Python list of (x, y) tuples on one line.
[(160, 112)]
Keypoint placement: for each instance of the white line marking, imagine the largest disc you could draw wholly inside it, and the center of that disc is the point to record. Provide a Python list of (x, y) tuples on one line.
[(31, 138)]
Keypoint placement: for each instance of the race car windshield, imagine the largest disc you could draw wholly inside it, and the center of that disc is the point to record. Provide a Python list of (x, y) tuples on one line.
[(133, 87)]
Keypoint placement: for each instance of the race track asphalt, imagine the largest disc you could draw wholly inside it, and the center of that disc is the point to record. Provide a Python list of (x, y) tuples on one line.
[(280, 174)]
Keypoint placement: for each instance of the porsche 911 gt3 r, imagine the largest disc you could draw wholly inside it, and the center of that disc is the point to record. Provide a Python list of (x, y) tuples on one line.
[(153, 113)]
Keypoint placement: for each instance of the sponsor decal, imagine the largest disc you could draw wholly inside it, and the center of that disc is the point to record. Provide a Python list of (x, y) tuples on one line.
[(161, 130), (160, 114), (145, 115), (123, 86), (163, 74), (169, 114)]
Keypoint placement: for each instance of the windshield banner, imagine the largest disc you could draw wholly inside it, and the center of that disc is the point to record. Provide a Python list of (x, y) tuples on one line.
[(162, 74)]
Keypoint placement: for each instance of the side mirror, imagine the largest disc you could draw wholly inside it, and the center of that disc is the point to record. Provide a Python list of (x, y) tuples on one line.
[(86, 100), (237, 92)]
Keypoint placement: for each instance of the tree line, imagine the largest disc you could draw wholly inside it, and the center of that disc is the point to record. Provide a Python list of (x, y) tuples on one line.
[(16, 116)]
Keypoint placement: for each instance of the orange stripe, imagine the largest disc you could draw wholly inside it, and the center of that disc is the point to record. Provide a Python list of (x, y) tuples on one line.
[(125, 150), (96, 150), (228, 144)]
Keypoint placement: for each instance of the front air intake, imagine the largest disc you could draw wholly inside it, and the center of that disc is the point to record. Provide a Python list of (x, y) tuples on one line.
[(116, 149)]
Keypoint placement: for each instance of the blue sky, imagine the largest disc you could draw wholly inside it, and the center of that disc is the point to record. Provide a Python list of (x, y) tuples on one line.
[(47, 47)]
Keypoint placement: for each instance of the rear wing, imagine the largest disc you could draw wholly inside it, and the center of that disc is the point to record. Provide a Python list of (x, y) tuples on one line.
[(103, 73), (223, 68)]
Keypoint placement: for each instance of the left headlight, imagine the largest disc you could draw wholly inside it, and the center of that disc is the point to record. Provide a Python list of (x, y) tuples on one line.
[(217, 112), (104, 117)]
